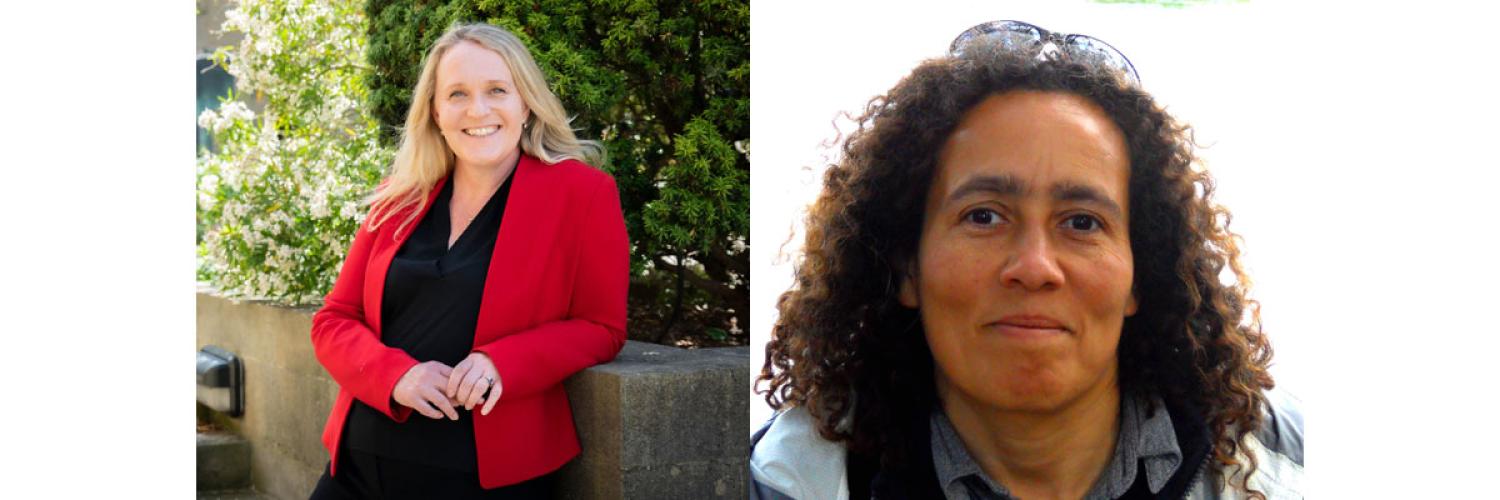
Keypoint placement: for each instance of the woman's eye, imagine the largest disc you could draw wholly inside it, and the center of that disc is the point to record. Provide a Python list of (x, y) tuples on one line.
[(456, 94), (497, 91), (982, 216), (1082, 222)]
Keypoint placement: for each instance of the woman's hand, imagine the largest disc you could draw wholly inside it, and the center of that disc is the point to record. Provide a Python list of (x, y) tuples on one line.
[(421, 389), (470, 378)]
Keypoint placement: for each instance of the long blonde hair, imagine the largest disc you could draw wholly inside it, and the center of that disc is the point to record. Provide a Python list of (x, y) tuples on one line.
[(424, 157)]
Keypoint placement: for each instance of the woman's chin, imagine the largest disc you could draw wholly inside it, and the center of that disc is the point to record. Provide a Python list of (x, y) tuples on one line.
[(484, 157)]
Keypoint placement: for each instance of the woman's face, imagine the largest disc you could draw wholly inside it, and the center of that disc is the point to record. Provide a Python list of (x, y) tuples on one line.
[(477, 107), (1024, 271)]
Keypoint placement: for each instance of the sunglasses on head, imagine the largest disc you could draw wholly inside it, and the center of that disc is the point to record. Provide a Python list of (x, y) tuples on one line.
[(1018, 35)]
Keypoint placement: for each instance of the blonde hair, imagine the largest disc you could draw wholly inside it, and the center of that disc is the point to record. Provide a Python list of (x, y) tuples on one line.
[(424, 157)]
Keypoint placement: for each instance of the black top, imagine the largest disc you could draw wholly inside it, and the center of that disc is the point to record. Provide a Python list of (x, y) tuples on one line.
[(430, 310)]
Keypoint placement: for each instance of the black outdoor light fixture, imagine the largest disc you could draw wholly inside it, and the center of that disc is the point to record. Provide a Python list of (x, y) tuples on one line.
[(221, 380)]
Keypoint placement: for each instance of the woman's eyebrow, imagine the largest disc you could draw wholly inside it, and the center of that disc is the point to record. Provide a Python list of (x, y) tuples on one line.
[(505, 83), (1009, 186), (1081, 193), (998, 185)]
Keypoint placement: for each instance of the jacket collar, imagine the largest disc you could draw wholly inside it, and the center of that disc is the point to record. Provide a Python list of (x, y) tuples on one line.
[(919, 479), (1146, 445)]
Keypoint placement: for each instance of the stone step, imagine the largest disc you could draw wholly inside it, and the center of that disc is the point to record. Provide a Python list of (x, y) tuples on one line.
[(231, 495), (223, 462)]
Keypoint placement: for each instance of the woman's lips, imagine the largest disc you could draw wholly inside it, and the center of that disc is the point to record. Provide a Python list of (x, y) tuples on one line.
[(1028, 326), (481, 131)]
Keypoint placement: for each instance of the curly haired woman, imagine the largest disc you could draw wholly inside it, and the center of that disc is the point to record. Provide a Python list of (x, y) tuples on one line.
[(1011, 289)]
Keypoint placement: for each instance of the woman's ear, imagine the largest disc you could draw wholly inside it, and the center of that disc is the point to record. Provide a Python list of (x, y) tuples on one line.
[(908, 289)]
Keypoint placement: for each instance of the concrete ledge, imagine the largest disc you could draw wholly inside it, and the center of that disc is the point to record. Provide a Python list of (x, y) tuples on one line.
[(662, 422), (658, 422), (223, 461)]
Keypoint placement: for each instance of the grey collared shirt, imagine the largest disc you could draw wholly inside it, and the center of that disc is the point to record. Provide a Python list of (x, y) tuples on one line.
[(1145, 437)]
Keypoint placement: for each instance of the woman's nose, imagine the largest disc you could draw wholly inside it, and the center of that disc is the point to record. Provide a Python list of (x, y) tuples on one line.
[(1032, 263), (479, 108)]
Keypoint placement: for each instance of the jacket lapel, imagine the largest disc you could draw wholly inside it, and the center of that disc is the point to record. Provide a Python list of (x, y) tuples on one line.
[(515, 255)]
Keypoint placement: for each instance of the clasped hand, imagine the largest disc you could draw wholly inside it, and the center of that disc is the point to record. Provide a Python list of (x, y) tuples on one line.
[(435, 390)]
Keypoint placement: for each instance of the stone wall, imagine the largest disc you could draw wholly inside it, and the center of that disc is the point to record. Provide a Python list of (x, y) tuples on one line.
[(658, 422), (287, 393), (662, 422)]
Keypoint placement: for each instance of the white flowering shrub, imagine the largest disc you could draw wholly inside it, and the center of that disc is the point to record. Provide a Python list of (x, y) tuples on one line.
[(280, 201)]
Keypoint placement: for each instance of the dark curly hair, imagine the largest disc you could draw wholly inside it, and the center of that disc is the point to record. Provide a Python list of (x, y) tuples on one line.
[(845, 349)]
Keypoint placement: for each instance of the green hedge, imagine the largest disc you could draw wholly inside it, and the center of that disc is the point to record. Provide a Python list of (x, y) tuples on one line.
[(666, 86)]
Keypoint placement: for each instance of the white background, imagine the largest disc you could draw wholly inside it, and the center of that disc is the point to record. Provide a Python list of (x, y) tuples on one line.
[(1356, 146)]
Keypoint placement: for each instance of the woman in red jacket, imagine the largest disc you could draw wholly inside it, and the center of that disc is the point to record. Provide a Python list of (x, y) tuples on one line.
[(494, 264)]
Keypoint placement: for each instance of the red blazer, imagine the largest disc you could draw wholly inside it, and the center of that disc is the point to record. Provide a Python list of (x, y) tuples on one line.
[(554, 304)]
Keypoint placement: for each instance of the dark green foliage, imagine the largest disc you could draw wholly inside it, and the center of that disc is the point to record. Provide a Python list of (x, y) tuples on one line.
[(666, 86)]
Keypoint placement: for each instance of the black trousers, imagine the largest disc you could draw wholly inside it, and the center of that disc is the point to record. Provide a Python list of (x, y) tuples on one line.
[(363, 475)]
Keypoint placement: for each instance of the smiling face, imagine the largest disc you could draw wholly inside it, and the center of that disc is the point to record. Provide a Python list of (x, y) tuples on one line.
[(477, 106), (1024, 270)]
